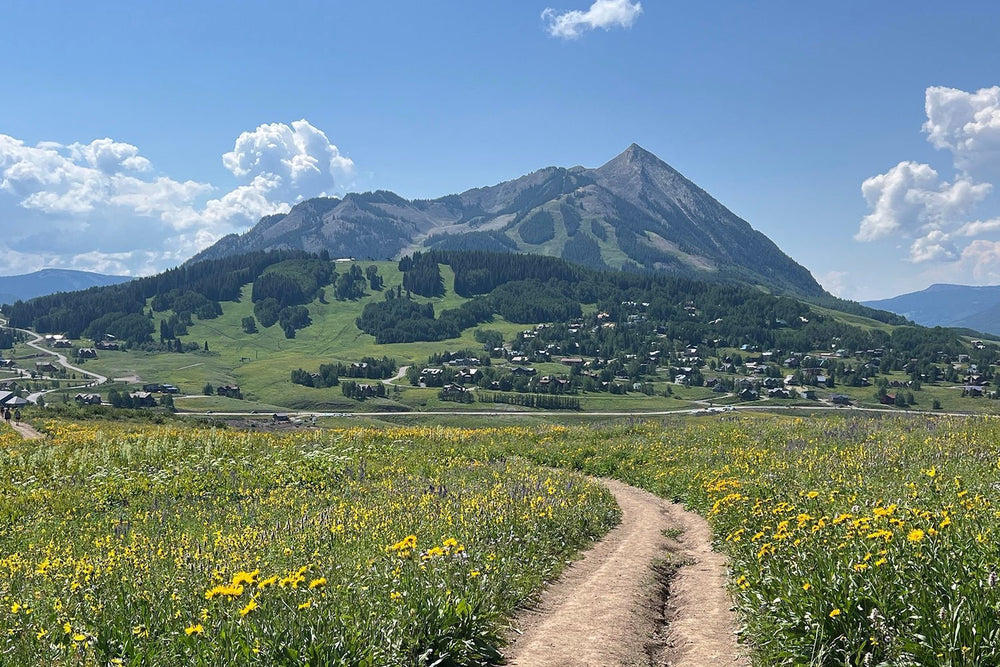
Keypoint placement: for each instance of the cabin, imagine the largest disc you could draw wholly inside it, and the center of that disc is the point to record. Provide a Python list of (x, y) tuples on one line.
[(229, 391), (143, 399), (88, 399)]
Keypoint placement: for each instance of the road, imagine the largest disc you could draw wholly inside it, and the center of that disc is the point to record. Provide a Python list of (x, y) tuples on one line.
[(62, 361)]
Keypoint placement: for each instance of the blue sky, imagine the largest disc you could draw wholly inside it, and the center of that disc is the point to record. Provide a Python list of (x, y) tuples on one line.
[(133, 134)]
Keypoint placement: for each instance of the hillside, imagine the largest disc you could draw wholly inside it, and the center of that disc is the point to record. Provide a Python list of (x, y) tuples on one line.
[(49, 281), (961, 306), (634, 212), (291, 330)]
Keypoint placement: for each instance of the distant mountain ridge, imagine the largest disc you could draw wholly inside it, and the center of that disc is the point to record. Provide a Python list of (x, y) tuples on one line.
[(945, 305), (49, 281), (634, 212)]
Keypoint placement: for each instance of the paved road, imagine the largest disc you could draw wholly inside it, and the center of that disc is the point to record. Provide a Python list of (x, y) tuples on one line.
[(62, 361)]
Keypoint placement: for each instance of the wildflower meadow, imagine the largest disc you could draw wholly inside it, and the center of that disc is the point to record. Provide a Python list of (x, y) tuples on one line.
[(851, 541)]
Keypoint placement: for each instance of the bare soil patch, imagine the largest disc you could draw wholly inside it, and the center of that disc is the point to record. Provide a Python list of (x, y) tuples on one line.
[(637, 597), (27, 431)]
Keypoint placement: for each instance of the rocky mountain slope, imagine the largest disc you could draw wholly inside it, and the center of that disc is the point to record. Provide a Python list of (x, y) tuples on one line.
[(635, 212)]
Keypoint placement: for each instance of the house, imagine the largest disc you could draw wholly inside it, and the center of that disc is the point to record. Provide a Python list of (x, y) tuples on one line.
[(777, 392), (45, 367), (887, 399), (106, 345), (87, 399), (365, 391), (227, 390), (62, 343), (749, 395), (280, 417), (7, 363), (807, 393), (86, 353), (454, 390), (6, 396), (143, 399), (840, 399), (152, 387), (523, 371), (973, 391)]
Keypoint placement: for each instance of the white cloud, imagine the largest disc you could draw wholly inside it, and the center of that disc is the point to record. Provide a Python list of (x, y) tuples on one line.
[(604, 14), (912, 199), (967, 125), (936, 245), (978, 227), (299, 155), (101, 206), (914, 202), (981, 260)]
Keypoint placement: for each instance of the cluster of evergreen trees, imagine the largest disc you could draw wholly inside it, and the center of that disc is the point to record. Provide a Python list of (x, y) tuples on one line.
[(113, 309), (326, 377), (370, 368), (360, 391), (543, 401), (422, 275)]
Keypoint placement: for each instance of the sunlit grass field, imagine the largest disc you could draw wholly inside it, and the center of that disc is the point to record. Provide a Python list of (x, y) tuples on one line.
[(160, 546), (852, 541)]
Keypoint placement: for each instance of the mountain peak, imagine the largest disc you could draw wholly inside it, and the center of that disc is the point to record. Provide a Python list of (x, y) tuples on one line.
[(634, 154), (635, 210)]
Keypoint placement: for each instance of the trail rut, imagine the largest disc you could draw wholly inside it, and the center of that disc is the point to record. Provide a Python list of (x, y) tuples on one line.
[(614, 607)]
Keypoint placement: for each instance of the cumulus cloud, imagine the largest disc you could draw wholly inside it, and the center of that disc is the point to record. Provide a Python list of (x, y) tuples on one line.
[(914, 202), (967, 125), (299, 155), (604, 14), (912, 198), (101, 206), (981, 260)]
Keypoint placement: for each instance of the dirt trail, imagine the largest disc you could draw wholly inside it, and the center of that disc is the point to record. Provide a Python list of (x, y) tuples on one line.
[(611, 607), (27, 431)]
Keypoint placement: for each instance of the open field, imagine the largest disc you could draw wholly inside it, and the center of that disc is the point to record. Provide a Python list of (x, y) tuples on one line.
[(851, 540), (153, 545)]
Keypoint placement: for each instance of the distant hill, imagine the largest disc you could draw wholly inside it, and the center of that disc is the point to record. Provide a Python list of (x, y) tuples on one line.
[(635, 212), (49, 281), (960, 306)]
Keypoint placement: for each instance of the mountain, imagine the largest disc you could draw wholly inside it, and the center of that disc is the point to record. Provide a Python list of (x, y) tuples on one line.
[(49, 281), (635, 212), (948, 306)]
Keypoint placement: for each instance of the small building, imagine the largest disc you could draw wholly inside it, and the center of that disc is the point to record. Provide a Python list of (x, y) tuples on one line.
[(143, 399), (88, 399), (228, 390)]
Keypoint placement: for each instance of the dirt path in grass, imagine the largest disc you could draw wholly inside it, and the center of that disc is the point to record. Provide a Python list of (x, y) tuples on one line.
[(637, 597), (27, 431)]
